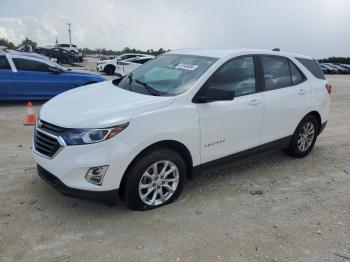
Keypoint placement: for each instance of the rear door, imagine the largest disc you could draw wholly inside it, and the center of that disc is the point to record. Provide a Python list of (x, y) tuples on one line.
[(8, 90), (35, 80), (287, 97)]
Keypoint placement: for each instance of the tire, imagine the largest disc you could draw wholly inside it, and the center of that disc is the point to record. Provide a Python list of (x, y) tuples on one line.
[(109, 70), (136, 176), (305, 126)]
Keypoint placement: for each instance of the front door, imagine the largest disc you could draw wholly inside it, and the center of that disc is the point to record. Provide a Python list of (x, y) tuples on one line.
[(35, 81), (229, 127), (8, 90)]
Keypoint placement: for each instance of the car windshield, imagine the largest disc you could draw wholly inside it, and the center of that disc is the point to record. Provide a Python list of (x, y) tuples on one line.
[(166, 75)]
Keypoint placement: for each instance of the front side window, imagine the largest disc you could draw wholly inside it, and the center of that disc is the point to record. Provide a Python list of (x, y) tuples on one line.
[(166, 75), (276, 72), (4, 64), (237, 75), (30, 65)]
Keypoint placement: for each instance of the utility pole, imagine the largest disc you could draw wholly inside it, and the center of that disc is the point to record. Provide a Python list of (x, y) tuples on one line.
[(69, 31)]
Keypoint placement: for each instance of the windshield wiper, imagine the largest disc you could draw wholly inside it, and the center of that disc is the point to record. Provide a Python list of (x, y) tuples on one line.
[(150, 89)]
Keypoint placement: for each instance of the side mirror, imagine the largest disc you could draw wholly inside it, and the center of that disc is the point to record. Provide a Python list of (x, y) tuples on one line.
[(55, 70), (212, 95)]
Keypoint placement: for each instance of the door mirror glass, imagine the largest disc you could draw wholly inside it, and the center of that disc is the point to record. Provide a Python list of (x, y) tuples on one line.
[(213, 94)]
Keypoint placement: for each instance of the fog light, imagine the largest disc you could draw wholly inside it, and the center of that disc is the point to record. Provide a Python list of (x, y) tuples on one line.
[(95, 174)]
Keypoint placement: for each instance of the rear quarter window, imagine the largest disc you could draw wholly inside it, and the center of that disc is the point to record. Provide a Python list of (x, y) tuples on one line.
[(313, 66)]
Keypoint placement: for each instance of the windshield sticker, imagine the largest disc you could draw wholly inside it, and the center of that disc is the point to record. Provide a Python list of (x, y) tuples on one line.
[(186, 67)]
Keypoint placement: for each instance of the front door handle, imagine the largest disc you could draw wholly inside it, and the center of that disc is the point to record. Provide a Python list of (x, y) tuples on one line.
[(254, 102), (301, 91)]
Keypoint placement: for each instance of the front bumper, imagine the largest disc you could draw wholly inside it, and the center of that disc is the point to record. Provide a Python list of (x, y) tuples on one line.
[(108, 197), (100, 68)]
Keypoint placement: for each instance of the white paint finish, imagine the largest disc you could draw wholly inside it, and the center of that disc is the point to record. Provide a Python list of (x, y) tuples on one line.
[(232, 126)]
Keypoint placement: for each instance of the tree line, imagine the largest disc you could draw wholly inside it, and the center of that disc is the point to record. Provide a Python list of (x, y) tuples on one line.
[(102, 51)]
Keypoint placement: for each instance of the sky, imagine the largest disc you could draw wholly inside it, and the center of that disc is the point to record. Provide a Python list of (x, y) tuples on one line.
[(319, 28)]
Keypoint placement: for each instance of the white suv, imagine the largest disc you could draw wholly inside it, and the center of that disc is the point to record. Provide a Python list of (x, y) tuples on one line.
[(109, 66), (69, 47), (182, 112)]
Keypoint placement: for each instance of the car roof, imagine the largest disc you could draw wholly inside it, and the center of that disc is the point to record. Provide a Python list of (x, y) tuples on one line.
[(222, 53)]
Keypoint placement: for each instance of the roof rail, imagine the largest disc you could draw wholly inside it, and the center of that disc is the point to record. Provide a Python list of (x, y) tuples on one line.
[(276, 49)]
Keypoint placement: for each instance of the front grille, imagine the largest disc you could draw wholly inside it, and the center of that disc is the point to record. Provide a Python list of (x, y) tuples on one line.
[(50, 128), (44, 144)]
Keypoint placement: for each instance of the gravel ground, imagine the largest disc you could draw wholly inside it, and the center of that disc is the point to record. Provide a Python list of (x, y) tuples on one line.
[(301, 214)]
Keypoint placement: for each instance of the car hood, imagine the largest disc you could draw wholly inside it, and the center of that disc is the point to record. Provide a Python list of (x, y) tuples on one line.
[(98, 105)]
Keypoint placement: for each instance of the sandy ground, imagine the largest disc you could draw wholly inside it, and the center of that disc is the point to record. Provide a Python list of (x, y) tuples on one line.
[(303, 213)]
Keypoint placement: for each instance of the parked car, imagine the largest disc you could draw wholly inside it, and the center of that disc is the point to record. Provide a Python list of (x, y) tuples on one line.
[(126, 66), (63, 56), (328, 69), (108, 66), (340, 69), (69, 47), (345, 65), (30, 77), (187, 110)]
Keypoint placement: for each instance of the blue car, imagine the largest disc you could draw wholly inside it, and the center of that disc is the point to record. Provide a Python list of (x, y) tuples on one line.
[(25, 76)]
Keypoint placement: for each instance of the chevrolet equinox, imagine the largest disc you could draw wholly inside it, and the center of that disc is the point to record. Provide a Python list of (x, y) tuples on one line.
[(141, 136)]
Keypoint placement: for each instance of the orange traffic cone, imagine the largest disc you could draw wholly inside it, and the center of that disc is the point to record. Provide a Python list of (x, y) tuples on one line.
[(30, 118)]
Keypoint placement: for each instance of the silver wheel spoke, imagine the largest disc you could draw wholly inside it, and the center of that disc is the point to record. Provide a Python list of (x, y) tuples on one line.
[(143, 186), (160, 191), (154, 197), (166, 164), (170, 189), (148, 192), (170, 180)]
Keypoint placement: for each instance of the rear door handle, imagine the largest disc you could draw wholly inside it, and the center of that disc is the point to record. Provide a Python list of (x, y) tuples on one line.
[(301, 91), (254, 102)]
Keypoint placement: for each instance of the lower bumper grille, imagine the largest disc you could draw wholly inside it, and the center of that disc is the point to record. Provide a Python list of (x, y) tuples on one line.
[(44, 144)]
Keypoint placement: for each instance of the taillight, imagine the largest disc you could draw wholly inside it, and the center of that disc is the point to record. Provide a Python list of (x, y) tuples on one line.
[(329, 88), (122, 63)]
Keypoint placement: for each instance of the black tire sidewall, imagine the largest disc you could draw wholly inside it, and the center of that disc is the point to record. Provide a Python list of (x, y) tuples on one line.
[(294, 150), (109, 70), (131, 192)]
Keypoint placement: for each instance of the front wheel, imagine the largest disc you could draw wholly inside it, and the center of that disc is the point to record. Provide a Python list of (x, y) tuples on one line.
[(304, 137), (155, 179)]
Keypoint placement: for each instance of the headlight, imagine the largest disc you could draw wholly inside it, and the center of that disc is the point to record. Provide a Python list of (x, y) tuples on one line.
[(90, 136)]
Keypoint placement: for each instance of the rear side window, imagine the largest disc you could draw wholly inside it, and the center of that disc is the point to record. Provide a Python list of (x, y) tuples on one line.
[(313, 66), (276, 72), (295, 74), (4, 64), (30, 65)]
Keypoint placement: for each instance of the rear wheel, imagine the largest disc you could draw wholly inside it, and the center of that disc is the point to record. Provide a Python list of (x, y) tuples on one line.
[(109, 70), (304, 137), (156, 179)]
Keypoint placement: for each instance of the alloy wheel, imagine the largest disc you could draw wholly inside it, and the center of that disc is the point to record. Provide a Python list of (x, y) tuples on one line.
[(159, 183), (306, 136)]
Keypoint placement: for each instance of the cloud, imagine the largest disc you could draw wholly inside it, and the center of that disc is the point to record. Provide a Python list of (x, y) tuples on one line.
[(310, 27)]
